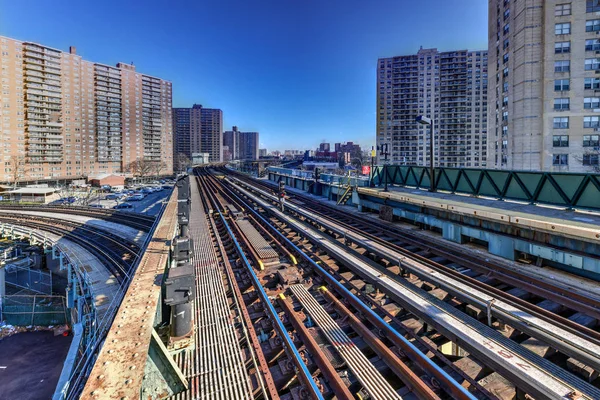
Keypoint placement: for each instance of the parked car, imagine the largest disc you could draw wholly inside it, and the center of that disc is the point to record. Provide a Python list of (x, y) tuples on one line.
[(112, 196), (146, 190), (96, 205), (123, 206), (135, 197)]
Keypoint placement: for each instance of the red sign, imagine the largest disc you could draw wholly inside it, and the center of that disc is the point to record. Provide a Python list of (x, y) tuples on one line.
[(366, 170)]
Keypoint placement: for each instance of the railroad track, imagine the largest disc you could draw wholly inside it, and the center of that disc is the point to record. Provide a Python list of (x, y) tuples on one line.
[(339, 373), (447, 253), (116, 253), (352, 280), (576, 311), (134, 220)]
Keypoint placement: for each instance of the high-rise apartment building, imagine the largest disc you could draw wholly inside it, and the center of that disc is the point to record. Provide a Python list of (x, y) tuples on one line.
[(230, 149), (211, 134), (198, 130), (66, 117), (242, 145), (449, 87), (544, 105)]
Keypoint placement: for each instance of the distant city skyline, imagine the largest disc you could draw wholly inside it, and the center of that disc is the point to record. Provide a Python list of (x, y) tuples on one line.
[(299, 73)]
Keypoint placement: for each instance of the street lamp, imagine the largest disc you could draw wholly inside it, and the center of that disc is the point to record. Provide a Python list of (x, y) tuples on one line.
[(428, 121)]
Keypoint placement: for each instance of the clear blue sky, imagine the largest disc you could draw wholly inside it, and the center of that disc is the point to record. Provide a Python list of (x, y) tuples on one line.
[(299, 72)]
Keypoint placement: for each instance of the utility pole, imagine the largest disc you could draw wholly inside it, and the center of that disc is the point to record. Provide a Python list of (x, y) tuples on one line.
[(384, 151)]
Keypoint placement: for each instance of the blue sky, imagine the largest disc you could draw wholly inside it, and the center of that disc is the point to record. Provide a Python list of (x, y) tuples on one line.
[(299, 72)]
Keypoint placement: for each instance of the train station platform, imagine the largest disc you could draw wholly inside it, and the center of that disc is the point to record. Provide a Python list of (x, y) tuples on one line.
[(576, 224), (538, 234)]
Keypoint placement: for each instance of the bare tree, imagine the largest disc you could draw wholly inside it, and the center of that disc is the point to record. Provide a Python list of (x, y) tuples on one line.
[(158, 166), (183, 162), (141, 168), (18, 168), (590, 159), (87, 197)]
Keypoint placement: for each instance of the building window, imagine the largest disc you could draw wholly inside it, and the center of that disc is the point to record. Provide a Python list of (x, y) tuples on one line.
[(505, 87), (592, 83), (562, 29), (591, 102), (591, 122), (592, 6), (592, 64), (505, 58), (560, 159), (592, 45), (560, 141), (562, 66), (506, 14), (506, 44), (591, 140), (505, 72), (561, 85), (562, 47), (505, 101), (592, 25), (591, 159), (505, 116), (562, 9), (562, 103), (561, 123), (505, 130), (506, 29)]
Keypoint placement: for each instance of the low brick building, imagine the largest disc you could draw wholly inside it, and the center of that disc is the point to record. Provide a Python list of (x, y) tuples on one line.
[(107, 179)]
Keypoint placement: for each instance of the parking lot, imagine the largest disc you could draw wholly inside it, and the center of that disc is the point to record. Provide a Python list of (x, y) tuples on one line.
[(150, 204)]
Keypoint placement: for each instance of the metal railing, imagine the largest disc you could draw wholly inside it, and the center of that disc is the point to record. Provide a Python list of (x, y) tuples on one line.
[(571, 190), (34, 310)]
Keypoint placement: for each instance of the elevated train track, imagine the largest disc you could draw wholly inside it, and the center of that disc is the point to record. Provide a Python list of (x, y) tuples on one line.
[(134, 220), (527, 370)]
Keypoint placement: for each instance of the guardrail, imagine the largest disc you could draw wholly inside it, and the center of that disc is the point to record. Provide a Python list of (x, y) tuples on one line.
[(77, 378), (571, 190)]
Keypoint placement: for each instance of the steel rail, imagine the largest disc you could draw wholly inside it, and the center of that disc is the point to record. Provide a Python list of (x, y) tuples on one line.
[(338, 386), (266, 379), (302, 369), (222, 368), (366, 373), (120, 268), (566, 341), (450, 385), (399, 367), (98, 231), (409, 296), (127, 218), (574, 300)]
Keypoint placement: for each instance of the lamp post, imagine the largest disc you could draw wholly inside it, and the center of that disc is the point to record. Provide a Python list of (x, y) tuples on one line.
[(383, 151), (428, 121), (373, 153)]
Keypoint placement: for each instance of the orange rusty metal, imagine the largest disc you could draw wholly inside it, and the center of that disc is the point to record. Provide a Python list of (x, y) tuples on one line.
[(119, 369)]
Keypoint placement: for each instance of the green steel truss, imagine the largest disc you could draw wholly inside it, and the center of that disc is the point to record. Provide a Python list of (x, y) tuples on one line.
[(571, 190)]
